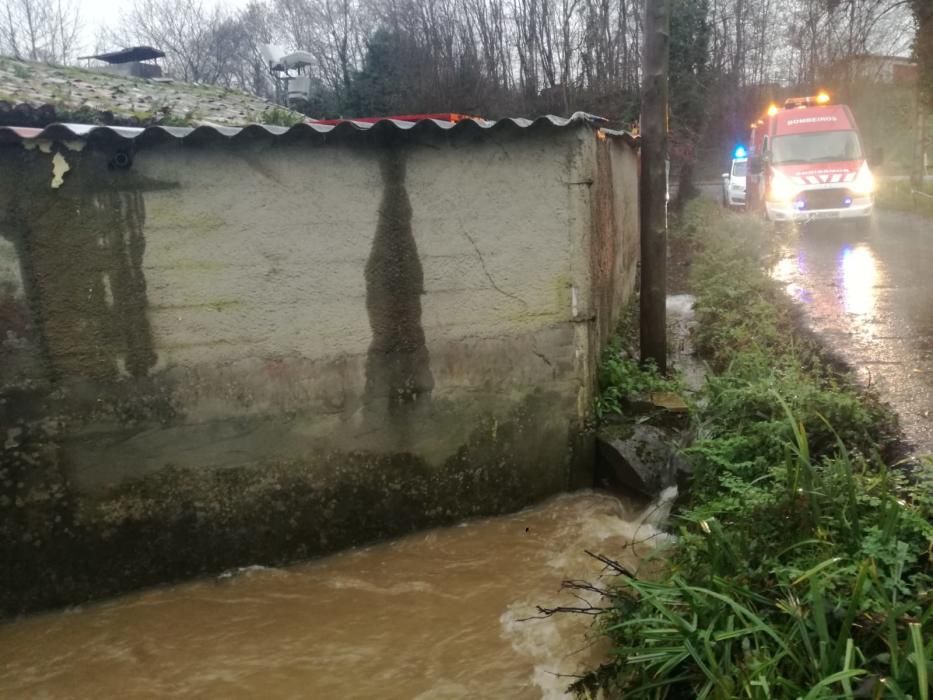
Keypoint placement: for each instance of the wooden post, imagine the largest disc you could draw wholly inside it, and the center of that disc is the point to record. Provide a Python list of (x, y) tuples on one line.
[(654, 127)]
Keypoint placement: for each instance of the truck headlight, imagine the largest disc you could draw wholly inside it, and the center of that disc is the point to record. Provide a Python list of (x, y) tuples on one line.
[(782, 189), (864, 182)]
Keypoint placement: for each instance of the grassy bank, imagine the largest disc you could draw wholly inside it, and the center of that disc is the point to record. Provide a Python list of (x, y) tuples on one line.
[(802, 567), (898, 194)]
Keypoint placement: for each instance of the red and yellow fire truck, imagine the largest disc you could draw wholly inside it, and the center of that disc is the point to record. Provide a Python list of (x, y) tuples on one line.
[(807, 161)]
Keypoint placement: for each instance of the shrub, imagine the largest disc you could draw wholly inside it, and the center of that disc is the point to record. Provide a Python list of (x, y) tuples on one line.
[(280, 117)]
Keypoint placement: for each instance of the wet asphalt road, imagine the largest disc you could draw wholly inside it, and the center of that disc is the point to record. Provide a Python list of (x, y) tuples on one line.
[(869, 295)]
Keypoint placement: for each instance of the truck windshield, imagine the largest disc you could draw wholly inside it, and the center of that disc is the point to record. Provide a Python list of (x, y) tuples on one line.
[(738, 168), (815, 147)]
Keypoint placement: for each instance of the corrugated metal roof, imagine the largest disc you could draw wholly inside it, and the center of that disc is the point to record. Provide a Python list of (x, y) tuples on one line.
[(443, 116), (154, 134)]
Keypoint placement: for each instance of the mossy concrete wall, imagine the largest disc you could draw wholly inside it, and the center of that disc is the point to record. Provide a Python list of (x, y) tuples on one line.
[(220, 354)]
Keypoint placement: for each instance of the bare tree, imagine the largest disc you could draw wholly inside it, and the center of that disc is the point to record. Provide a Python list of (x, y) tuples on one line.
[(198, 41), (39, 30), (248, 65), (334, 31), (492, 57)]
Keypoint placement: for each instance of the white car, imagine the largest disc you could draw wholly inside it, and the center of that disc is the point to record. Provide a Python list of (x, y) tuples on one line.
[(733, 183)]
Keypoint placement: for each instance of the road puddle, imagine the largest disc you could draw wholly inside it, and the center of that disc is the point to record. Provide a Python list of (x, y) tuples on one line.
[(867, 295)]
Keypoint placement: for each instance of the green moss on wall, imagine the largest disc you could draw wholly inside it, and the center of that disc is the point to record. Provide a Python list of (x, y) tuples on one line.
[(63, 548)]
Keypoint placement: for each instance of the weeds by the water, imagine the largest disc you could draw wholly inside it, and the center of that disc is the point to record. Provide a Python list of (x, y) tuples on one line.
[(804, 563), (621, 376)]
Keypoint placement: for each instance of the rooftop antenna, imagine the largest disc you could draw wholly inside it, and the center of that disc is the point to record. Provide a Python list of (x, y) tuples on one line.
[(290, 74)]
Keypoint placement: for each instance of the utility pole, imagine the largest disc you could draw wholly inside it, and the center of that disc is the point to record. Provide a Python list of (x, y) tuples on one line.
[(654, 182), (923, 49), (920, 141)]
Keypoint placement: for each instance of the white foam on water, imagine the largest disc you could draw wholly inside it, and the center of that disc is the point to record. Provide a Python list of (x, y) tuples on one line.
[(250, 570), (395, 589), (444, 690), (680, 306), (659, 512), (566, 644)]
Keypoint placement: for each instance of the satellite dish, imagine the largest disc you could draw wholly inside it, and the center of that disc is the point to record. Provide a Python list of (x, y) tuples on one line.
[(290, 90), (273, 54)]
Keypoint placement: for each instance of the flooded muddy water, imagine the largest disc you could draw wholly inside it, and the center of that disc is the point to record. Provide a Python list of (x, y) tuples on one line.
[(434, 615)]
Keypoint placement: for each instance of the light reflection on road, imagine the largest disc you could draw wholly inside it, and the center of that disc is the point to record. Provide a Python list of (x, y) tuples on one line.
[(851, 290), (837, 280), (859, 271), (868, 295), (791, 269)]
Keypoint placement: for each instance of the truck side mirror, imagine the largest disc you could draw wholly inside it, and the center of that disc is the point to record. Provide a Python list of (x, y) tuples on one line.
[(725, 176), (876, 158), (754, 165)]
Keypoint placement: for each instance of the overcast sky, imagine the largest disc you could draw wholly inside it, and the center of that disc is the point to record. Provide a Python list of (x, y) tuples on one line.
[(106, 13)]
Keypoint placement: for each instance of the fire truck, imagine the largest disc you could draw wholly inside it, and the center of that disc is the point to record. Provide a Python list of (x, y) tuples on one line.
[(807, 162)]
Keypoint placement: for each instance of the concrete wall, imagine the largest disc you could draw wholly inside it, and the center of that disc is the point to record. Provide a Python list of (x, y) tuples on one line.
[(231, 353)]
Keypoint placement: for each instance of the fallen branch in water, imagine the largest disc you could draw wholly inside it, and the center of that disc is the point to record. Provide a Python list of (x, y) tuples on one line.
[(576, 586), (579, 610), (612, 564)]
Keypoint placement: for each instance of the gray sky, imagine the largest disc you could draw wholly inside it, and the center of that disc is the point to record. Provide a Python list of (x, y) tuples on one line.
[(101, 13)]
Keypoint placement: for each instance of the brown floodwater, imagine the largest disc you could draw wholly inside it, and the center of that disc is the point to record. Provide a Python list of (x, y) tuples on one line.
[(439, 614)]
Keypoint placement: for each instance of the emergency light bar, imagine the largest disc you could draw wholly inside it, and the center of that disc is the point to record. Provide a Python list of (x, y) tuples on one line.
[(812, 100)]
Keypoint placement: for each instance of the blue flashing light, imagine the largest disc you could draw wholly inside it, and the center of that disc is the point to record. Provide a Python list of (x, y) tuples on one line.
[(740, 152), (847, 202), (800, 204)]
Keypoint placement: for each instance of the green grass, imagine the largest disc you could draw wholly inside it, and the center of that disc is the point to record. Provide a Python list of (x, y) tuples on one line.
[(280, 117), (621, 376), (802, 566), (899, 194), (164, 97)]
